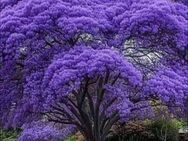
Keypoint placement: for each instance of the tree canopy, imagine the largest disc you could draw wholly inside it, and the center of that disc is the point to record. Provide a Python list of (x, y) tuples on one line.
[(91, 63)]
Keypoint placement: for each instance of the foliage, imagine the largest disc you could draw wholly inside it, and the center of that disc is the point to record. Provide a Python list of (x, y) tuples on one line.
[(156, 130), (71, 139), (165, 130), (9, 134), (132, 131)]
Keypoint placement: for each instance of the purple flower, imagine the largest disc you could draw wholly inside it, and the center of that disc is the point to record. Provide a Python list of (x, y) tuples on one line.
[(41, 131)]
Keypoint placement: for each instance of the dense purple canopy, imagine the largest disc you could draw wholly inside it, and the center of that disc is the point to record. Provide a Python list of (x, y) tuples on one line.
[(49, 47), (68, 71), (170, 84), (82, 62), (182, 1)]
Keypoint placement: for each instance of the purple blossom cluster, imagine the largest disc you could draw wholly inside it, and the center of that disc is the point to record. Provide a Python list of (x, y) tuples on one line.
[(182, 1), (170, 84), (82, 62), (145, 21), (41, 131)]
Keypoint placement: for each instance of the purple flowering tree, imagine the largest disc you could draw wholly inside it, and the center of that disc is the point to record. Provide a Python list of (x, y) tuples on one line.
[(84, 87), (91, 63)]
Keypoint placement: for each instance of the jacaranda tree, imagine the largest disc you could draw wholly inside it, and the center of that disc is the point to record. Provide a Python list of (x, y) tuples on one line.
[(91, 63)]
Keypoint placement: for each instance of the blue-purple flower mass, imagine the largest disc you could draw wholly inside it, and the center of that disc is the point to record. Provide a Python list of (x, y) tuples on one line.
[(89, 64)]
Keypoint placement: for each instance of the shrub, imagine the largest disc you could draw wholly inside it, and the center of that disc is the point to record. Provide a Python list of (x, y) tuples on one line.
[(157, 130), (132, 131), (8, 135), (165, 130), (71, 139)]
